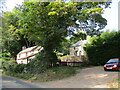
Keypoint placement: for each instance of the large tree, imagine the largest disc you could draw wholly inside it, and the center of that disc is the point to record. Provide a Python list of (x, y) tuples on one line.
[(12, 41), (104, 47), (48, 23)]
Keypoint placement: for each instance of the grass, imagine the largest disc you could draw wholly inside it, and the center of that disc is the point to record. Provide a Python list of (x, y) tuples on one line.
[(1, 71), (60, 57), (51, 74), (114, 83), (19, 75), (56, 73), (118, 80)]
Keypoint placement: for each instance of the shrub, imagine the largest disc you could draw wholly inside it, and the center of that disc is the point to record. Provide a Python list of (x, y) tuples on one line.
[(38, 64), (103, 47), (56, 73), (19, 68), (11, 66), (7, 65)]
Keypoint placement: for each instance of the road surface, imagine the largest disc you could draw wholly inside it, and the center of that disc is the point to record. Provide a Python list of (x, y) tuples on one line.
[(11, 82), (94, 77)]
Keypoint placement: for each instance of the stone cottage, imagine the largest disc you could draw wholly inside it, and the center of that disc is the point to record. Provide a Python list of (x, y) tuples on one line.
[(78, 50)]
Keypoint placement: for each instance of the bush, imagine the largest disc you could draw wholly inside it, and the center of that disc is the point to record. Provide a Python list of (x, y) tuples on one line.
[(103, 48), (19, 68), (56, 73), (11, 66), (0, 63), (38, 64), (7, 65)]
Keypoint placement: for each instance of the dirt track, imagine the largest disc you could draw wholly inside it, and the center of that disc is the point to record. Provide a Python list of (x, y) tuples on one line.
[(94, 77)]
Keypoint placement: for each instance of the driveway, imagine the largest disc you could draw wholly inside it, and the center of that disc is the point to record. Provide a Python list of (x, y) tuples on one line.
[(94, 77)]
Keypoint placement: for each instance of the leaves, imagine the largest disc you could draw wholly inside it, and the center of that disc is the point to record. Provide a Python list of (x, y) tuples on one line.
[(100, 49), (52, 13), (48, 23)]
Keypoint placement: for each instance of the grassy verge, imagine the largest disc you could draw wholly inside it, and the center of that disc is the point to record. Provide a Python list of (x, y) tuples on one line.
[(56, 74), (114, 83), (51, 74), (1, 71), (19, 75), (118, 81)]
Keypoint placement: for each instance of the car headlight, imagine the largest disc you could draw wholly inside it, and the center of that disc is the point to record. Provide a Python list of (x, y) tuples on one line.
[(104, 65), (115, 66)]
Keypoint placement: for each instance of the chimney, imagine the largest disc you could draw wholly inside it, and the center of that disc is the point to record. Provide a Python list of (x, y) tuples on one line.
[(24, 47)]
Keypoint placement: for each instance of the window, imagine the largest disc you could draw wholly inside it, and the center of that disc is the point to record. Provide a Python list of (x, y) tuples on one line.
[(75, 53), (74, 48), (113, 60), (19, 55)]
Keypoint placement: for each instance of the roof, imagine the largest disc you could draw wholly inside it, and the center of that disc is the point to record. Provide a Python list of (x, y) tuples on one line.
[(79, 43), (34, 48)]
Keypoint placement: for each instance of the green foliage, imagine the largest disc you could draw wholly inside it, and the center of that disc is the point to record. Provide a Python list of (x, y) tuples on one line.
[(11, 66), (9, 42), (6, 65), (51, 74), (119, 80), (47, 24), (38, 65), (77, 37), (102, 48), (4, 57), (56, 73), (20, 75), (64, 50), (13, 69), (64, 56), (18, 68), (12, 41)]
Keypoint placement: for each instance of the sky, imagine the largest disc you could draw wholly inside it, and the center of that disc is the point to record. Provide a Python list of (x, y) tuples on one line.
[(111, 14)]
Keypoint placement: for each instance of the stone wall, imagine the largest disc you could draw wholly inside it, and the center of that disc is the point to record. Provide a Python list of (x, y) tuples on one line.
[(73, 59)]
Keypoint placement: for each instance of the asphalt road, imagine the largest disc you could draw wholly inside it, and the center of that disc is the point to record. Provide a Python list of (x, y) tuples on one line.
[(11, 82)]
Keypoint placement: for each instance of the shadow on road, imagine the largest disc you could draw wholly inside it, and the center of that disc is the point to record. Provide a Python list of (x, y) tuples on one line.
[(112, 71)]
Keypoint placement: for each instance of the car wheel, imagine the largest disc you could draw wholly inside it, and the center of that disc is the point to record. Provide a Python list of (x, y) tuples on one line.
[(119, 69), (105, 69)]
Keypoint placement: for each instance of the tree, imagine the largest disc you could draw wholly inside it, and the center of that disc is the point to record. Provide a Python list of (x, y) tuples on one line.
[(12, 41), (77, 37), (48, 23), (104, 47)]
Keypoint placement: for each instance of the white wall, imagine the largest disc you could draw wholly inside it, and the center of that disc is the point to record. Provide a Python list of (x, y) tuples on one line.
[(24, 55), (22, 61)]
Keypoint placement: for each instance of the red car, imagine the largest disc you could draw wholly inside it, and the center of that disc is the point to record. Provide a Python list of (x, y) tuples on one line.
[(112, 64)]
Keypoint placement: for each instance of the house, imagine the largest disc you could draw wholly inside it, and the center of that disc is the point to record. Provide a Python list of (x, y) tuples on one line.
[(26, 55), (78, 50), (77, 54)]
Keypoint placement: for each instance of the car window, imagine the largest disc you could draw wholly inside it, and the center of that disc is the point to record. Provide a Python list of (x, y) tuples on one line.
[(113, 60)]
